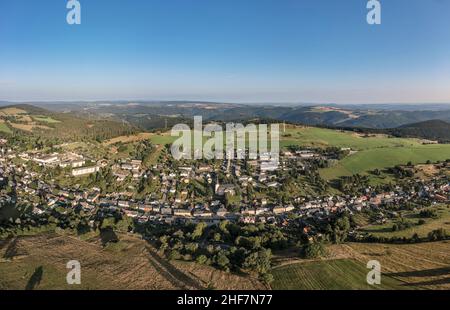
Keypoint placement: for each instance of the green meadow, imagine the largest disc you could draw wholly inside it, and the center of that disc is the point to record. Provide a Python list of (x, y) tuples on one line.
[(341, 274), (380, 158), (374, 152), (385, 230), (45, 119), (4, 128), (162, 139), (320, 137)]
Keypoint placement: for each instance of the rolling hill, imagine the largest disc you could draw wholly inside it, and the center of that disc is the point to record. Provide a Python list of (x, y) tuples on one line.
[(371, 151), (433, 130), (149, 115), (28, 119)]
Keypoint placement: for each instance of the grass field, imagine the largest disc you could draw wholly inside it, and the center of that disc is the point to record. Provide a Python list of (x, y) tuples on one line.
[(320, 137), (380, 158), (336, 274), (409, 266), (45, 119), (385, 230), (4, 127), (128, 139), (374, 152), (163, 138), (422, 265), (26, 123)]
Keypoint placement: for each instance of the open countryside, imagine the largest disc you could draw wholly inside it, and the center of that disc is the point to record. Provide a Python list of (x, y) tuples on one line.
[(371, 152), (38, 262), (419, 266)]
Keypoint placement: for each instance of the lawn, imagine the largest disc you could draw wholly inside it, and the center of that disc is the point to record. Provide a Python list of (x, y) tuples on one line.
[(346, 274), (4, 128)]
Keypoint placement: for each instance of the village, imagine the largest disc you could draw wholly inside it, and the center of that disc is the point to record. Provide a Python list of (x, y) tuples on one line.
[(240, 191)]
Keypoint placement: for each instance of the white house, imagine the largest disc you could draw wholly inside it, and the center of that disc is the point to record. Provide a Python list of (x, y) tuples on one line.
[(85, 170)]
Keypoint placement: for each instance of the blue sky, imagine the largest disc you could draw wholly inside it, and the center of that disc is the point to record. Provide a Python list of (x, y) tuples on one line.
[(226, 50)]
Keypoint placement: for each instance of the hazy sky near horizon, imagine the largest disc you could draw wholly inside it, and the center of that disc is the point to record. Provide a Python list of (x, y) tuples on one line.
[(318, 51)]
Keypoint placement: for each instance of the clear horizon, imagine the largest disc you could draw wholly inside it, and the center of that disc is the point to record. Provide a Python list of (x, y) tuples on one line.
[(273, 103), (261, 52)]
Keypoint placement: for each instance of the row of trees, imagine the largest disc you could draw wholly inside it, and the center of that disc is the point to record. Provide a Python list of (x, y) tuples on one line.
[(435, 235)]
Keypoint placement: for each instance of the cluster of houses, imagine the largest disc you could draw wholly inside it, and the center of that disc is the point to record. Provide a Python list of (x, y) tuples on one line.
[(129, 167), (177, 204)]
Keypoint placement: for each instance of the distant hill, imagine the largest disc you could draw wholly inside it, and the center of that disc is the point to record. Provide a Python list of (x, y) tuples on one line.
[(28, 119), (155, 114), (432, 129)]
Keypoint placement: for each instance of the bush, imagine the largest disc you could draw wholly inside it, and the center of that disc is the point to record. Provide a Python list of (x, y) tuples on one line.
[(313, 250), (173, 255), (415, 238), (202, 259), (259, 261), (266, 278), (428, 214), (438, 234), (222, 261)]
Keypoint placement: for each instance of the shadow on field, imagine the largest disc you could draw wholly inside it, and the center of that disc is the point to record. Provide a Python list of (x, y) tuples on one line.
[(35, 279), (423, 273), (5, 242), (431, 282), (82, 229), (108, 235), (11, 250), (171, 273), (373, 254), (379, 230)]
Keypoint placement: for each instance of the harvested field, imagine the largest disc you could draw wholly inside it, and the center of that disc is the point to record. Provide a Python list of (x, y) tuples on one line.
[(132, 138), (12, 111), (39, 262), (409, 266), (29, 127)]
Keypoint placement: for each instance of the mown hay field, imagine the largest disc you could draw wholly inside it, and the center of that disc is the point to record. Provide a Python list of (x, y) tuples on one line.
[(39, 262), (409, 266)]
